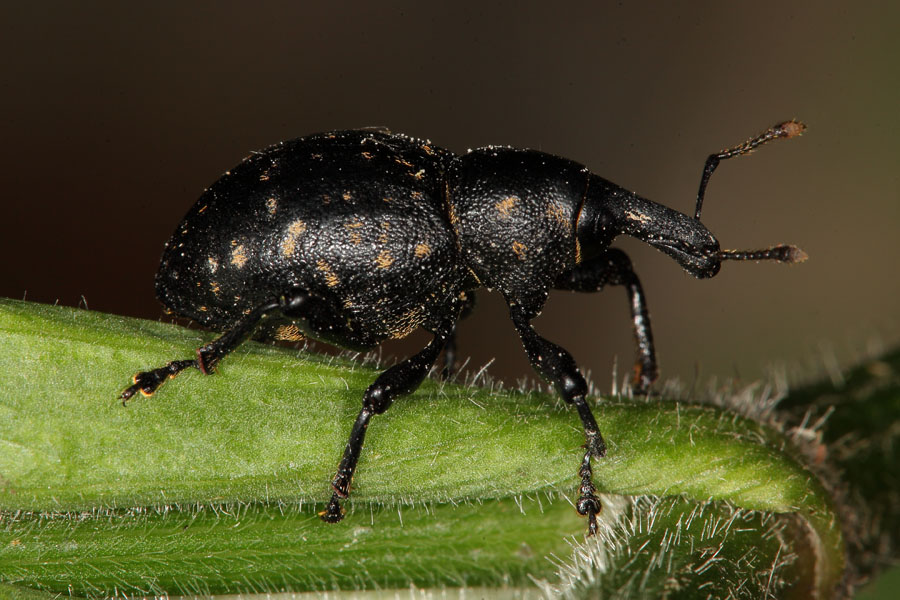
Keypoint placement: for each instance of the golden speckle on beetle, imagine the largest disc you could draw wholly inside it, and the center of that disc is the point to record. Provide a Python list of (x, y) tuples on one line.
[(419, 174), (637, 216), (213, 264), (367, 155), (416, 195), (558, 214), (422, 250), (519, 249), (331, 280), (272, 205), (384, 259), (405, 163), (353, 224), (289, 333), (214, 286), (347, 196), (239, 256), (289, 243), (505, 206), (202, 208)]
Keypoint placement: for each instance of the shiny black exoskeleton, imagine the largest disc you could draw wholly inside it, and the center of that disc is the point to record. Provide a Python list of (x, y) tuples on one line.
[(354, 237)]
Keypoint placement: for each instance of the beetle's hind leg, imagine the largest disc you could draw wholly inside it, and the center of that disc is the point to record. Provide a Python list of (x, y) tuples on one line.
[(613, 267), (147, 382), (399, 380), (558, 367), (295, 304)]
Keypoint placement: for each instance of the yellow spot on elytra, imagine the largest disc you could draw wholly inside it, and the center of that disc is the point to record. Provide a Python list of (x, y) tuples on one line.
[(367, 155), (577, 252), (405, 163), (637, 216), (202, 208), (214, 286), (506, 205), (422, 250), (346, 196), (331, 280), (383, 238), (384, 259), (315, 156), (289, 243), (428, 149), (407, 322), (519, 249), (558, 214), (213, 264), (290, 333), (203, 309), (419, 174), (238, 256), (355, 238), (416, 195), (272, 205), (387, 199), (264, 176)]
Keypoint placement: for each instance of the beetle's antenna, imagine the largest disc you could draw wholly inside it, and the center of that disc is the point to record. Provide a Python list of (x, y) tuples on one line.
[(782, 253), (788, 129)]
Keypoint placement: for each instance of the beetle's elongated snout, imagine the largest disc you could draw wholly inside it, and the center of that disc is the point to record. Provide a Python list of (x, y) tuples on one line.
[(609, 211)]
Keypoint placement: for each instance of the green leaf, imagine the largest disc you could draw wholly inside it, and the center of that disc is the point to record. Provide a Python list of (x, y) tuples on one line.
[(213, 483)]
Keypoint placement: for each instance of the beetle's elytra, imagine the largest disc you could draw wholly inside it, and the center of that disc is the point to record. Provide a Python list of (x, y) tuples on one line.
[(354, 237)]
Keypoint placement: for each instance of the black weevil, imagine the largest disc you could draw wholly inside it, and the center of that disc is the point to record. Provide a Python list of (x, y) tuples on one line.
[(354, 237)]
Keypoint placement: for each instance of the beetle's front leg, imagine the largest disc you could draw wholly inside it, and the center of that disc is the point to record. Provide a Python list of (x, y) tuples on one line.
[(558, 367), (401, 379), (613, 267)]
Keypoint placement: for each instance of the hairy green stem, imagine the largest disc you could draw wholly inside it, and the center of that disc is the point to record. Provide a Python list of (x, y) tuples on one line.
[(212, 484)]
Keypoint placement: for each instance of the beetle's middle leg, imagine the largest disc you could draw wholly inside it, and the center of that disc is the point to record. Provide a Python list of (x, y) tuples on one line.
[(613, 267), (558, 367), (450, 346), (400, 380)]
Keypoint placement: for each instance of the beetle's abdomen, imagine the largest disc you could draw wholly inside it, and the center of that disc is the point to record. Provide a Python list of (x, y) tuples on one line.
[(356, 217), (514, 212)]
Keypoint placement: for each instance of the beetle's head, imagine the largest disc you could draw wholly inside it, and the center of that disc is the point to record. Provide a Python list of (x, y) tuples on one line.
[(609, 211)]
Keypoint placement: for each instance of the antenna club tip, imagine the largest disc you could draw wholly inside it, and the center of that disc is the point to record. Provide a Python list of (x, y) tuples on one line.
[(792, 128), (793, 255)]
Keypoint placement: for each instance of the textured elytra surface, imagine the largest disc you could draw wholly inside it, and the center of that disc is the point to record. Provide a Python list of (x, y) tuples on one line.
[(355, 217)]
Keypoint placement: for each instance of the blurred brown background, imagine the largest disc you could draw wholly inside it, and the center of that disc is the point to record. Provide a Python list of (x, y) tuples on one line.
[(117, 115)]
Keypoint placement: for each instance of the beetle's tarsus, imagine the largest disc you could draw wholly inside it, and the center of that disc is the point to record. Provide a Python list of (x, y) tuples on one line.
[(334, 512), (147, 382), (588, 504)]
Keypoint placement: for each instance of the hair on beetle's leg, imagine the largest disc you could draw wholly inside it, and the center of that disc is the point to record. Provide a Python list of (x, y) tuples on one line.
[(399, 380), (147, 382), (450, 347), (613, 267), (558, 367), (787, 130)]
